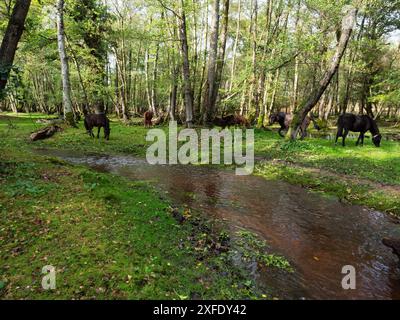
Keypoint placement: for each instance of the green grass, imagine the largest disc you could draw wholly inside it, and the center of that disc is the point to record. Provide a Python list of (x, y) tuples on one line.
[(124, 139), (107, 237), (347, 191), (354, 168), (366, 175), (376, 164), (113, 238)]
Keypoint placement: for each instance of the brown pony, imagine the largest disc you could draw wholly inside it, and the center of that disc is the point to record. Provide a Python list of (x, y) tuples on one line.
[(231, 120), (148, 117), (100, 121), (285, 120)]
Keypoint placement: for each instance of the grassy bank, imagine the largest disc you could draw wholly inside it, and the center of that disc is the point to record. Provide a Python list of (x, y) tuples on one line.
[(107, 237), (361, 175), (366, 175)]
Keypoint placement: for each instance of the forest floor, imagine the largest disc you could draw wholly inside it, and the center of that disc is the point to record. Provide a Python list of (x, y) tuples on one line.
[(47, 204), (366, 175), (108, 237)]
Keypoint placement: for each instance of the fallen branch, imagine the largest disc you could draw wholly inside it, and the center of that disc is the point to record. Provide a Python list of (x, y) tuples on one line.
[(45, 133)]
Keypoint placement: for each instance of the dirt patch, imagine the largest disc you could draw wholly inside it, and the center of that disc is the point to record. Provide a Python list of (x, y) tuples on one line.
[(54, 176)]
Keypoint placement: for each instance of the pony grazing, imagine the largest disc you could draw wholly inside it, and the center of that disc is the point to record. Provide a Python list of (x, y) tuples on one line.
[(231, 120), (285, 120), (99, 121), (350, 122), (148, 117)]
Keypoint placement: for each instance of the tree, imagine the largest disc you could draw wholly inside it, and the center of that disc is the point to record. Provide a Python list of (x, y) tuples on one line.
[(130, 55), (11, 38), (347, 28), (211, 90), (186, 67), (91, 24), (67, 103)]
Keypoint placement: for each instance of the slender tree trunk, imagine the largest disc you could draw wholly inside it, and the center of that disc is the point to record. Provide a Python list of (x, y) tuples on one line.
[(204, 67), (347, 28), (78, 69), (273, 97), (186, 67), (146, 73), (210, 92), (296, 63), (235, 45), (67, 103), (222, 50), (11, 38), (253, 98), (154, 81)]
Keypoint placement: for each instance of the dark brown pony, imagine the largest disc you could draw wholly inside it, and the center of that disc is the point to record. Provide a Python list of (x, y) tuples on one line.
[(350, 122), (285, 120), (97, 120), (148, 117), (231, 120)]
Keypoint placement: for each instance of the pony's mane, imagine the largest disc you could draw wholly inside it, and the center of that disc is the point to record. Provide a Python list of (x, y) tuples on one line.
[(374, 127)]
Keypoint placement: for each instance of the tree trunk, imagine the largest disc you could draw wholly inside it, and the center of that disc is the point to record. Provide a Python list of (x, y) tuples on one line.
[(67, 103), (347, 28), (186, 68), (78, 69), (210, 92), (235, 45), (154, 81), (222, 50), (11, 38), (253, 99)]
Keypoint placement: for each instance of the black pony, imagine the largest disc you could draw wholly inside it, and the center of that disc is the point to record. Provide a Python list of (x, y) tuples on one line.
[(285, 120), (350, 122), (97, 120)]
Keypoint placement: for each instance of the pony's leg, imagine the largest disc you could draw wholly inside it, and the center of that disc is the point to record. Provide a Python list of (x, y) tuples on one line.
[(362, 139), (339, 134), (91, 133), (358, 140), (346, 132), (98, 132)]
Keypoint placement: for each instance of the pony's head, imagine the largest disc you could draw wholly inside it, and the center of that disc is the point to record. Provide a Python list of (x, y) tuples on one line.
[(377, 140), (273, 118)]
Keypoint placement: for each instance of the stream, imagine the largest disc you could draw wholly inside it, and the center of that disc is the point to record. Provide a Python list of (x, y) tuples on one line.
[(317, 234)]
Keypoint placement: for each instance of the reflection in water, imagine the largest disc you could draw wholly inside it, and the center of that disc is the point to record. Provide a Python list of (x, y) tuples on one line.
[(319, 236)]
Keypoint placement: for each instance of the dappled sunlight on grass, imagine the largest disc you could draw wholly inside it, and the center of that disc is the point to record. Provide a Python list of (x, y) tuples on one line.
[(378, 164)]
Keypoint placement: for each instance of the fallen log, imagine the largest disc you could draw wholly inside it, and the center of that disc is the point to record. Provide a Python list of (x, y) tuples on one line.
[(50, 121), (44, 133)]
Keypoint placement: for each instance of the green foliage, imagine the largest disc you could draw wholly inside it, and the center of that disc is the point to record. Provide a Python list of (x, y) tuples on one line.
[(127, 54), (251, 248)]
